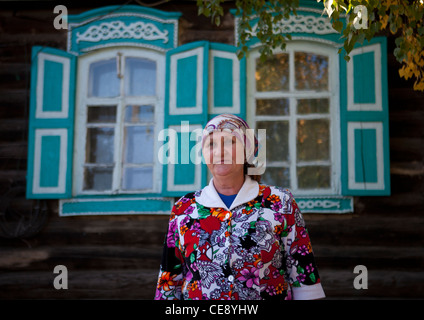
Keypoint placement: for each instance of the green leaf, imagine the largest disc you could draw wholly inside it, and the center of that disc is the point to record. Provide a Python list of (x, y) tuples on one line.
[(338, 26)]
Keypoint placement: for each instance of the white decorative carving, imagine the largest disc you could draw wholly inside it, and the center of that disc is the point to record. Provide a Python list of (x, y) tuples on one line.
[(301, 23), (321, 203), (119, 30)]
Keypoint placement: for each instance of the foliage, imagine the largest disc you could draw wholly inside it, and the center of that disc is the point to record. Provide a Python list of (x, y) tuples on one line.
[(402, 18)]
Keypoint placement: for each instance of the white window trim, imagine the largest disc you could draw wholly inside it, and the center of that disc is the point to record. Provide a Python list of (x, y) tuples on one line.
[(81, 115), (378, 105), (61, 186), (235, 107), (378, 127), (334, 112), (198, 108), (63, 113)]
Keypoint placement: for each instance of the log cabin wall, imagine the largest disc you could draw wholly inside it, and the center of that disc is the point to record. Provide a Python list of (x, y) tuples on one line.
[(117, 257)]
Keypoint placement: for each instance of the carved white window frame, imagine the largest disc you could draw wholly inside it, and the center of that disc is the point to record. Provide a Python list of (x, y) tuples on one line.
[(81, 115), (334, 113)]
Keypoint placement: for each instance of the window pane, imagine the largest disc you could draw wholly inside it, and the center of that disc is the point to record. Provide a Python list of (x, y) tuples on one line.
[(313, 177), (278, 107), (140, 77), (273, 74), (306, 106), (99, 147), (138, 144), (311, 71), (137, 178), (104, 81), (313, 139), (277, 133), (276, 177), (98, 179), (137, 114), (101, 114)]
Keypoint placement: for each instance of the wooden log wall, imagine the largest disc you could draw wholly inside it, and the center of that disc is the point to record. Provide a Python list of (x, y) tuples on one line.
[(117, 257)]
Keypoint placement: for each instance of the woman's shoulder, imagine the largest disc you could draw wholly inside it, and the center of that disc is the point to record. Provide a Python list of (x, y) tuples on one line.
[(182, 204), (270, 190)]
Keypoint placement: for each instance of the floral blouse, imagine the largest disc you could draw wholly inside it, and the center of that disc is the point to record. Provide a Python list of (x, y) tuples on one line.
[(257, 249)]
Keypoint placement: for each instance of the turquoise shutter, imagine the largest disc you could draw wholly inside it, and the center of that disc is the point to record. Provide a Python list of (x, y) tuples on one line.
[(186, 107), (227, 89), (365, 121), (50, 140)]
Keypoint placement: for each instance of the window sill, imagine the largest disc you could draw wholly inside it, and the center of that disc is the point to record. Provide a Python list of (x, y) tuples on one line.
[(325, 204), (115, 206)]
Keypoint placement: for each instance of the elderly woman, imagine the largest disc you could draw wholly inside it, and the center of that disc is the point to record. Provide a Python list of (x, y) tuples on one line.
[(236, 239)]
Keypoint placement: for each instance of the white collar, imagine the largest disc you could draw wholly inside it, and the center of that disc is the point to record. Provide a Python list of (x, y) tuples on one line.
[(211, 199)]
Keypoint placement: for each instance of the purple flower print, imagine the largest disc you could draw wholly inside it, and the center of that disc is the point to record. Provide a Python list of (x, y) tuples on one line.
[(303, 250), (303, 233), (184, 200), (170, 239), (301, 277), (276, 206), (271, 290), (278, 216), (189, 210), (309, 268), (251, 276)]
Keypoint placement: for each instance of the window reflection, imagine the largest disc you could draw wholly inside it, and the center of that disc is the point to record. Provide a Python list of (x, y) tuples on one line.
[(314, 177), (273, 74), (103, 79), (311, 71), (98, 179), (101, 114), (137, 114), (277, 133), (99, 145), (137, 178), (140, 77), (138, 144), (272, 107), (313, 140)]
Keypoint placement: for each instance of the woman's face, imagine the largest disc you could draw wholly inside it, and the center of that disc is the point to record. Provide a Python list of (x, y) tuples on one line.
[(224, 154)]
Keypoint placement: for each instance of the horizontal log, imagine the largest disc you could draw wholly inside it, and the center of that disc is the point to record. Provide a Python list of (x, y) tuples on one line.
[(14, 150), (82, 257), (85, 284), (13, 125), (373, 257), (411, 168), (406, 149), (15, 96), (55, 39)]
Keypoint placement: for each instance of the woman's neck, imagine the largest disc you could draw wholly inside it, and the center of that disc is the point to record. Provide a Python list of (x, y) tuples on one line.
[(226, 186)]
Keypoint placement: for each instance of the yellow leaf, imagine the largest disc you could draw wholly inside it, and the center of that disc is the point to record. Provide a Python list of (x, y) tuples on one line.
[(402, 72), (419, 85), (384, 21)]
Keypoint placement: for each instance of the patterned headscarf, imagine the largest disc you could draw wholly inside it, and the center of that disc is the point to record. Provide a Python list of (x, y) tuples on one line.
[(236, 126)]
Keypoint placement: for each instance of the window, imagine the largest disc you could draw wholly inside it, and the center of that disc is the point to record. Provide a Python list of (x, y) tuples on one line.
[(293, 95), (119, 112)]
